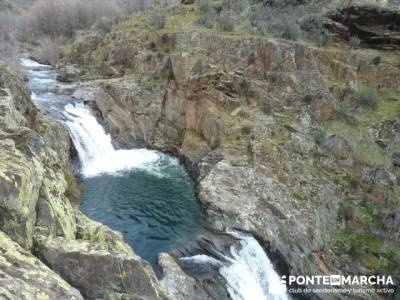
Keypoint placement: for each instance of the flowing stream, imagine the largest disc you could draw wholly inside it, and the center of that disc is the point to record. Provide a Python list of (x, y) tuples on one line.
[(147, 195)]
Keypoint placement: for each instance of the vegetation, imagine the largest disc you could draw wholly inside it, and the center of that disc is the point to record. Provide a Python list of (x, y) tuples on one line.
[(291, 31), (266, 108), (49, 51), (341, 111), (74, 189), (226, 22), (319, 137), (376, 60), (246, 129), (157, 19), (368, 98), (354, 42), (369, 250)]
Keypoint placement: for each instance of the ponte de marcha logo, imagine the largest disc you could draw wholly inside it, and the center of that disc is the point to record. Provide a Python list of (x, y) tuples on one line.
[(339, 284)]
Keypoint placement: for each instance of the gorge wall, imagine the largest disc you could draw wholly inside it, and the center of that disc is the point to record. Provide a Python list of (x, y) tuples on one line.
[(48, 249)]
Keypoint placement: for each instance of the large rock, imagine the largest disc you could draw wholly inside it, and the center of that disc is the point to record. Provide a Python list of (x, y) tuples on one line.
[(376, 26), (20, 182), (98, 272), (23, 276), (90, 230), (177, 283)]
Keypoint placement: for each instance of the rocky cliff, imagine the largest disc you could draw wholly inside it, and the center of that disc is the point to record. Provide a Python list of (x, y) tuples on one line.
[(48, 249), (282, 137)]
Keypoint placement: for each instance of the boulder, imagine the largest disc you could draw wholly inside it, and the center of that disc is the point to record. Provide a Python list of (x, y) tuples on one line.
[(177, 283), (23, 276), (98, 272)]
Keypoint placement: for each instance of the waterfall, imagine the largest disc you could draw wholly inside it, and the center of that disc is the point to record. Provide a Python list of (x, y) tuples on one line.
[(95, 150), (248, 272)]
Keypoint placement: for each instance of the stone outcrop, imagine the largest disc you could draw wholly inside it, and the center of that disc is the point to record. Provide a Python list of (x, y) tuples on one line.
[(375, 26), (23, 276), (37, 218), (100, 273), (177, 283)]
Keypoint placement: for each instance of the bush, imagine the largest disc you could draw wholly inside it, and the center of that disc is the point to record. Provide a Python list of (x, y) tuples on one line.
[(311, 23), (236, 6), (157, 20), (206, 7), (226, 23), (266, 107), (246, 129), (354, 42), (207, 14), (323, 38), (132, 6), (341, 111), (376, 60), (206, 21), (9, 46), (291, 31), (49, 51), (64, 17), (319, 137), (103, 25), (368, 98)]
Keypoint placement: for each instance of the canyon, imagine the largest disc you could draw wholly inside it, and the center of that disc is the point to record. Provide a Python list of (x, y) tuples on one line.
[(272, 132)]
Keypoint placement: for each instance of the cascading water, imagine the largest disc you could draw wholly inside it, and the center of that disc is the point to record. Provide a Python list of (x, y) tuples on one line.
[(95, 150), (151, 200), (248, 271)]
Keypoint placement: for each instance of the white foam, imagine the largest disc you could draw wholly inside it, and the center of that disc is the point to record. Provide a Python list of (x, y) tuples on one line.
[(248, 272), (95, 150), (29, 63)]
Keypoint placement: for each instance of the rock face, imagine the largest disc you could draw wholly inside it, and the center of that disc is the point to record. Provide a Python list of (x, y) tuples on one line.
[(37, 217), (375, 26), (81, 263), (23, 276), (274, 132), (177, 283)]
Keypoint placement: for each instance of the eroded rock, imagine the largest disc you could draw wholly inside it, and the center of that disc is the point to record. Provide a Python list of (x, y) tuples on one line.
[(23, 276)]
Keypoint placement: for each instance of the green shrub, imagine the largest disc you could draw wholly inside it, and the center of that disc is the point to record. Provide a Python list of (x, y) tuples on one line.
[(319, 137), (341, 111), (236, 6), (157, 19), (226, 22), (307, 99), (323, 38), (291, 31), (206, 21), (354, 42), (311, 23), (207, 14), (266, 107), (206, 7), (246, 129), (376, 60), (368, 98)]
